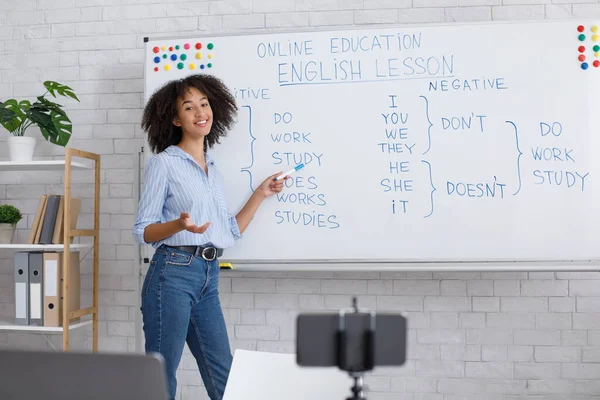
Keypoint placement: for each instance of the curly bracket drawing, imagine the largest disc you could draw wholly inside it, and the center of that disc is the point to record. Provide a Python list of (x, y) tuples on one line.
[(430, 124), (247, 169), (433, 187), (518, 157)]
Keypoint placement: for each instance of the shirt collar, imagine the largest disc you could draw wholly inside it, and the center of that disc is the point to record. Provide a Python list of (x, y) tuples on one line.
[(174, 150)]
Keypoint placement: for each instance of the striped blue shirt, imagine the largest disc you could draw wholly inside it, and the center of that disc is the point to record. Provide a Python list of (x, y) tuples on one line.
[(175, 183)]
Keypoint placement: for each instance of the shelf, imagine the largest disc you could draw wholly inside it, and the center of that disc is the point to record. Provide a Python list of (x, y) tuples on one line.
[(40, 247), (90, 162), (7, 326), (49, 165)]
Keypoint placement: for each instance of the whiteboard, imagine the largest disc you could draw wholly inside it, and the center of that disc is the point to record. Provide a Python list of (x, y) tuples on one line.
[(437, 143)]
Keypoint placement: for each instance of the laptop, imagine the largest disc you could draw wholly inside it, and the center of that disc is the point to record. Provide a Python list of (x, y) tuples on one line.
[(45, 375)]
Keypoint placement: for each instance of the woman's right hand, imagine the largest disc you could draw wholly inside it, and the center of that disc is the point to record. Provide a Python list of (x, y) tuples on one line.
[(190, 226)]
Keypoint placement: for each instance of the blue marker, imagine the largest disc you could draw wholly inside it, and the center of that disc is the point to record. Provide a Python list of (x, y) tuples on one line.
[(291, 171)]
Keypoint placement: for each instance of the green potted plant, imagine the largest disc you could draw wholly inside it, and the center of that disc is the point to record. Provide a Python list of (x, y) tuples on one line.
[(9, 217), (16, 116)]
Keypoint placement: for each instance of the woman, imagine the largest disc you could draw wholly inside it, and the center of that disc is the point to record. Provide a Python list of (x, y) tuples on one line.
[(184, 215)]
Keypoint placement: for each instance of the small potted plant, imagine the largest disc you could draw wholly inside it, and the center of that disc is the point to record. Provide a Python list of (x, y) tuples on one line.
[(17, 116), (9, 217)]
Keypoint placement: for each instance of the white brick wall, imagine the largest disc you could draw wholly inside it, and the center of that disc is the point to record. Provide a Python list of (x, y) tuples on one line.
[(472, 336)]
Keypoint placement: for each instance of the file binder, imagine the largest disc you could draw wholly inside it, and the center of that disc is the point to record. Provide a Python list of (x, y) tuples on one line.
[(21, 275), (36, 289), (53, 287)]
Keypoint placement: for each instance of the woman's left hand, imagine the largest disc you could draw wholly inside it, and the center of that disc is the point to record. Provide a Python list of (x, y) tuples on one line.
[(270, 186)]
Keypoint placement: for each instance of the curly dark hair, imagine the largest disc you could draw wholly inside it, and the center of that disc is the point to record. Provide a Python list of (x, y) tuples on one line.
[(161, 109)]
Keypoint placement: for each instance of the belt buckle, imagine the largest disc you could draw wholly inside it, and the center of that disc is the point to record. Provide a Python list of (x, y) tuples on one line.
[(214, 253)]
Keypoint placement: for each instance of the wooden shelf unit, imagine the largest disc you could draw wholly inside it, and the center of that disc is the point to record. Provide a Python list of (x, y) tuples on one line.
[(67, 165)]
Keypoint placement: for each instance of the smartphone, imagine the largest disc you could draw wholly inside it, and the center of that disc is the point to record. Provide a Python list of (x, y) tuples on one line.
[(357, 341)]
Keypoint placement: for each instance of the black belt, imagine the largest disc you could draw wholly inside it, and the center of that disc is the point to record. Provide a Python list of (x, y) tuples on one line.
[(207, 253)]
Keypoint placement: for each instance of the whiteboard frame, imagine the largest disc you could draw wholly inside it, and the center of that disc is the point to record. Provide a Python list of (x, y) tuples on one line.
[(333, 28), (350, 265), (396, 266)]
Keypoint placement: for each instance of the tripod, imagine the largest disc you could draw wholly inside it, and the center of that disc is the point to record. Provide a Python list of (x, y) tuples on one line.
[(357, 368), (349, 341)]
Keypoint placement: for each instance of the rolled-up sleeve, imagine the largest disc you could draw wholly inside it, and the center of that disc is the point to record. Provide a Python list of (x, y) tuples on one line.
[(235, 229), (152, 200)]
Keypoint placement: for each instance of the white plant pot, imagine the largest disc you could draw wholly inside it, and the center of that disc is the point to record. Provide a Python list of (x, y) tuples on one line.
[(7, 231), (20, 148)]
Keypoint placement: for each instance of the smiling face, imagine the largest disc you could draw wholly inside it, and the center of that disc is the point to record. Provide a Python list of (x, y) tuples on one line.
[(194, 114)]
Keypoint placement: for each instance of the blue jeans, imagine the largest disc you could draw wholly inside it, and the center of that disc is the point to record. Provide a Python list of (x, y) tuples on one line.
[(180, 304)]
